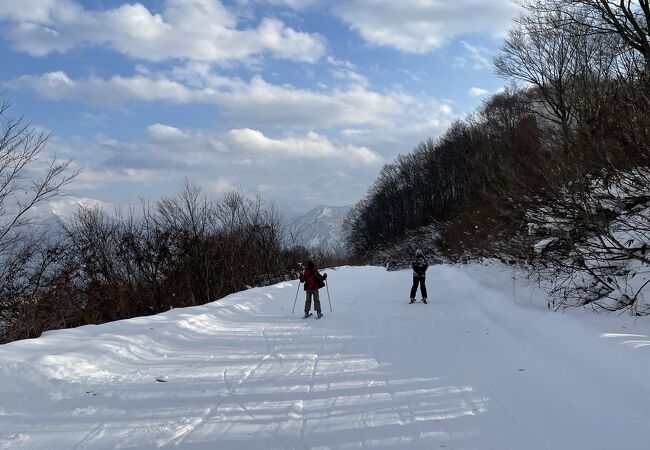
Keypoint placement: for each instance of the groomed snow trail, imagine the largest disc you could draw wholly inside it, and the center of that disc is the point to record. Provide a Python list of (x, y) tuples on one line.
[(479, 367)]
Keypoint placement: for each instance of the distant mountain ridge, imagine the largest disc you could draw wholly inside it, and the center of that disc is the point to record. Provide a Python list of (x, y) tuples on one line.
[(321, 228)]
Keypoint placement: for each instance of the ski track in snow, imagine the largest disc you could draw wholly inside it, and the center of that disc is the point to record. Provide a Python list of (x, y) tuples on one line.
[(482, 366)]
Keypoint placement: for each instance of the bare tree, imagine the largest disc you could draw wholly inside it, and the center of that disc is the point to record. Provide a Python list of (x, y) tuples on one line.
[(27, 179), (626, 19)]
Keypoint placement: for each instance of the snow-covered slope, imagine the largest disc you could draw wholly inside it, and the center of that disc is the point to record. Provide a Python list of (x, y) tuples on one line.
[(321, 228), (482, 366)]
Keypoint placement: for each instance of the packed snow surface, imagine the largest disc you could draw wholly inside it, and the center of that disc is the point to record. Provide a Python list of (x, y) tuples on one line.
[(482, 366)]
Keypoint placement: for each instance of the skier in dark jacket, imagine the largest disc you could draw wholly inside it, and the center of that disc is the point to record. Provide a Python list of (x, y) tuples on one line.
[(313, 282), (419, 266)]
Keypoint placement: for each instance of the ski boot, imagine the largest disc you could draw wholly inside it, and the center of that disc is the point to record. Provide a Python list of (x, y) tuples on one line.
[(412, 301), (307, 315), (319, 315), (424, 300)]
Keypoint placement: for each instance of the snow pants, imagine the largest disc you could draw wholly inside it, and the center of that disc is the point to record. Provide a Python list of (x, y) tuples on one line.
[(311, 294), (423, 287)]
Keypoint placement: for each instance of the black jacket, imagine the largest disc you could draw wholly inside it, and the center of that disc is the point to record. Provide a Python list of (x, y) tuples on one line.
[(420, 266)]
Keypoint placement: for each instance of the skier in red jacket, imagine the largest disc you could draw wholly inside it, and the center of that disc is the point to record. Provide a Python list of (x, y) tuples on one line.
[(313, 282)]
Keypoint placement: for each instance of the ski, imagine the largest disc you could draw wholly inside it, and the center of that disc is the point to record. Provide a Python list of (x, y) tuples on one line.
[(311, 315)]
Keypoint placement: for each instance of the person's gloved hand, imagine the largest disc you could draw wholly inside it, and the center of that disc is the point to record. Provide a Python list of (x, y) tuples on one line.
[(324, 276)]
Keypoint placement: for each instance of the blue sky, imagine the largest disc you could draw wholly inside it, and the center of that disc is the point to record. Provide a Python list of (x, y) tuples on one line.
[(302, 101)]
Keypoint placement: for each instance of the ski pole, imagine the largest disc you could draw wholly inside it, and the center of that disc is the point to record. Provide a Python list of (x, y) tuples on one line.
[(328, 295), (296, 299)]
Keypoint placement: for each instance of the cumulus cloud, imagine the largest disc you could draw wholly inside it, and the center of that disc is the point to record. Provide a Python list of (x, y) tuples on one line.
[(201, 30), (94, 179), (310, 146), (267, 103), (419, 26), (256, 101), (161, 132), (38, 11), (293, 4), (105, 92), (290, 167), (187, 148), (477, 92)]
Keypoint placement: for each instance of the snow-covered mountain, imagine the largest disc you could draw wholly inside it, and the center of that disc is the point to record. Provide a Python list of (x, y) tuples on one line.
[(51, 217), (320, 228)]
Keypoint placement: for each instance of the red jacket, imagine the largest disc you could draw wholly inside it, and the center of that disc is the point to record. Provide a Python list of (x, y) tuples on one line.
[(312, 279)]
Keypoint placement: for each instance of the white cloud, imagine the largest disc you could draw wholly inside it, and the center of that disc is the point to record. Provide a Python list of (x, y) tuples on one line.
[(267, 103), (296, 168), (477, 92), (102, 92), (98, 178), (350, 75), (36, 11), (187, 147), (168, 148), (219, 185), (255, 101), (341, 63), (201, 30), (480, 57), (427, 118), (419, 26), (160, 132), (310, 146), (413, 76), (293, 4)]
